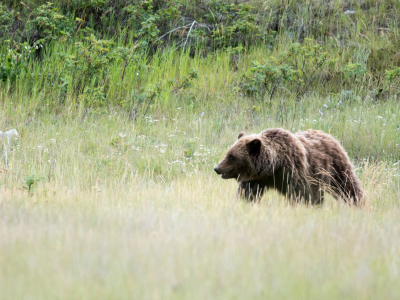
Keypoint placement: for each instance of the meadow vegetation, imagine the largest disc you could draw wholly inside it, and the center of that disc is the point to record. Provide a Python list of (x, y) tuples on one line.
[(124, 107)]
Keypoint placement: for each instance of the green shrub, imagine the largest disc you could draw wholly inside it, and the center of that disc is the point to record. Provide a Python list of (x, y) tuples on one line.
[(48, 24), (7, 18), (15, 62), (392, 77), (147, 22), (232, 23), (294, 70), (354, 71), (93, 97), (222, 25), (89, 67), (263, 79)]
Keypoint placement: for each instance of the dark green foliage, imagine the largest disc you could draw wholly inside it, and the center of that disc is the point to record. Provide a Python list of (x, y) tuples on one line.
[(88, 51), (7, 18), (146, 21), (47, 24), (232, 23), (295, 69), (353, 71), (393, 74), (14, 62), (392, 77), (87, 70), (264, 78)]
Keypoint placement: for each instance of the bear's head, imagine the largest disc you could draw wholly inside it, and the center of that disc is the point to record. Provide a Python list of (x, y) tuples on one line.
[(245, 160)]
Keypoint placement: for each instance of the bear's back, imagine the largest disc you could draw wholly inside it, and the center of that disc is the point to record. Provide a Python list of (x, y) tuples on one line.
[(324, 153), (317, 140)]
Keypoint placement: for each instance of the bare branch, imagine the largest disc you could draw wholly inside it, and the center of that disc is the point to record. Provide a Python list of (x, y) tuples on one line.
[(194, 22), (175, 29)]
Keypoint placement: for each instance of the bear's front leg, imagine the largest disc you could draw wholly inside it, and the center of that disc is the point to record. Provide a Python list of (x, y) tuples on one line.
[(250, 190)]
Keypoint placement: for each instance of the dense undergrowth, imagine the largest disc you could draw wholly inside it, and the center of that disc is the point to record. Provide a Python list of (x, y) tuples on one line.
[(150, 57), (98, 54)]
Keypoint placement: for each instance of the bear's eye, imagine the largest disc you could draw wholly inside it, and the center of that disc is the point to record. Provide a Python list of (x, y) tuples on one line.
[(231, 157)]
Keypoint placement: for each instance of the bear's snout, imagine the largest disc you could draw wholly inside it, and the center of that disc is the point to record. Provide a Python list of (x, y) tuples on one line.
[(217, 170), (225, 173)]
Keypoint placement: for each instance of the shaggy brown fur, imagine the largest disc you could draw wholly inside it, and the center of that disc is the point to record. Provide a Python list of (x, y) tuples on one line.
[(301, 166)]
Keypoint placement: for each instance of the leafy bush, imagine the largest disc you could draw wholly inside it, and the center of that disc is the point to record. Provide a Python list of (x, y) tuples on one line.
[(296, 69), (266, 77), (146, 21), (222, 25), (232, 23), (91, 60), (393, 74), (89, 67), (49, 24), (15, 62), (353, 71), (392, 77), (7, 18), (93, 97)]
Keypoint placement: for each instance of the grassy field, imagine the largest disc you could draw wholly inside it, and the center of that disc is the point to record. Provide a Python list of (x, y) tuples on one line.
[(110, 193), (123, 214), (192, 240)]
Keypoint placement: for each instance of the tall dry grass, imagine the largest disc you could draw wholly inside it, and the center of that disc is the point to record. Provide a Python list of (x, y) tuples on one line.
[(192, 239), (145, 217)]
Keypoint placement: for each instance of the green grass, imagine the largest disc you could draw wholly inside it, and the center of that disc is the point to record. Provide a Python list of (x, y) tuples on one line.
[(156, 222)]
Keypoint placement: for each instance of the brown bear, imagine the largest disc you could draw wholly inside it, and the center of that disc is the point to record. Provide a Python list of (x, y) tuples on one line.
[(301, 166)]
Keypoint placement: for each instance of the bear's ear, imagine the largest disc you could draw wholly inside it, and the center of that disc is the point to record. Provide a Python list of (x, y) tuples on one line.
[(254, 146), (241, 134)]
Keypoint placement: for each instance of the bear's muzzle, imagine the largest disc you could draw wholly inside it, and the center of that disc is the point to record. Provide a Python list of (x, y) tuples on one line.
[(225, 174)]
